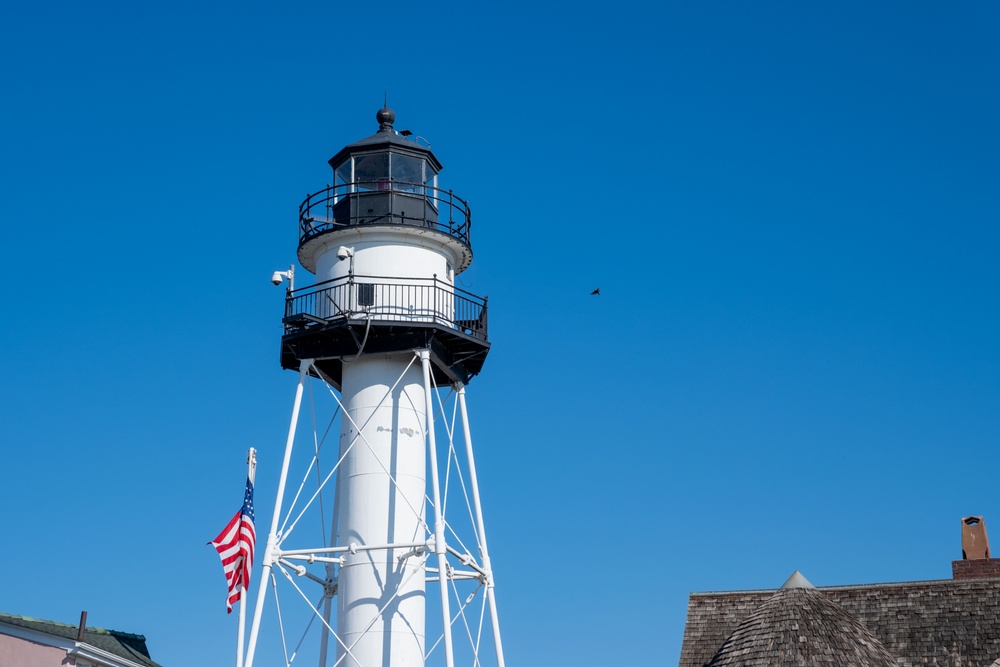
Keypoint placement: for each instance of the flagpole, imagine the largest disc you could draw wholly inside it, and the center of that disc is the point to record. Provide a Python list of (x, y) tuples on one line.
[(251, 474)]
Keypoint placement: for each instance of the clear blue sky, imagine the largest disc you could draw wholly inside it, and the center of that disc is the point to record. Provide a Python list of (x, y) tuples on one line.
[(791, 210)]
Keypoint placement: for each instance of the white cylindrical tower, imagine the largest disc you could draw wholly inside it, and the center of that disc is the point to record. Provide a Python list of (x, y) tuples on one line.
[(384, 325), (381, 488)]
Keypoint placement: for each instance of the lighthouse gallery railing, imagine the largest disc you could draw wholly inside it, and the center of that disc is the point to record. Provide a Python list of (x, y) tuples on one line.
[(384, 202), (388, 300)]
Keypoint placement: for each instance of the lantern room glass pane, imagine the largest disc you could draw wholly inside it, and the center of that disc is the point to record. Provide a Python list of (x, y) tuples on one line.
[(342, 180), (342, 174), (407, 173), (371, 172), (407, 168)]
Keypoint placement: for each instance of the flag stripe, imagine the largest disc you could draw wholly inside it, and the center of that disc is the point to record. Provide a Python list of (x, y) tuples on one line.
[(235, 545)]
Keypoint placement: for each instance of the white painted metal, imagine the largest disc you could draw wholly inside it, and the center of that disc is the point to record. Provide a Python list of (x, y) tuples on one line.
[(319, 253), (390, 257), (464, 558), (267, 560), (382, 486), (440, 544), (384, 253), (481, 526)]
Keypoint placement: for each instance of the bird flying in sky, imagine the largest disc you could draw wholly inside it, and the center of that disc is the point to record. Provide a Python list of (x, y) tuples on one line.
[(596, 292)]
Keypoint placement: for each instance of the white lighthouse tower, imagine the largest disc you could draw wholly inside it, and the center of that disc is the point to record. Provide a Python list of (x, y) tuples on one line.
[(397, 572)]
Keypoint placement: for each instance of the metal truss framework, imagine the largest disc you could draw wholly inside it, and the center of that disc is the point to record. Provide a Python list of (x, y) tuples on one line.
[(454, 554)]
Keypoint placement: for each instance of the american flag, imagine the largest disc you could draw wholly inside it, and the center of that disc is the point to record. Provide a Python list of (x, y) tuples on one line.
[(235, 546)]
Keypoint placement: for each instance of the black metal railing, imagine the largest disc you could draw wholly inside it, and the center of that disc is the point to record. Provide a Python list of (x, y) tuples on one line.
[(382, 299), (384, 202)]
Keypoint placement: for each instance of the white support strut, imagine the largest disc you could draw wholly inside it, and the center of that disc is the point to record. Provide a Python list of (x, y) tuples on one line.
[(266, 561), (440, 546), (480, 525)]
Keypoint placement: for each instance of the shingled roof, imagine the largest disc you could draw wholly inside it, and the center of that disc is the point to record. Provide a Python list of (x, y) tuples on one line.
[(122, 644), (942, 623), (798, 625)]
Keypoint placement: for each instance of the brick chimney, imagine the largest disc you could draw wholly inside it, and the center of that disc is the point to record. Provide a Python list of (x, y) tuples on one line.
[(976, 562)]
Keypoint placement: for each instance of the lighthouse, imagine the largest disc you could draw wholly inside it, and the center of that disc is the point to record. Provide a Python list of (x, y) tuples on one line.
[(397, 573)]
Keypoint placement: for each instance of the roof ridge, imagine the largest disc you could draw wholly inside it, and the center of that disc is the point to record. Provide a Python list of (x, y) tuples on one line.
[(122, 633), (95, 630), (893, 584), (37, 620)]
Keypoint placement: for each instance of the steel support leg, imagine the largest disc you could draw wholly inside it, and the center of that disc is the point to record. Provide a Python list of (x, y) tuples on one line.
[(440, 546), (480, 525), (272, 537)]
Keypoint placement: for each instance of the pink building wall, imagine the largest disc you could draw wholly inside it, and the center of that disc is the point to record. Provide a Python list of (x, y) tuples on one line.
[(16, 652)]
